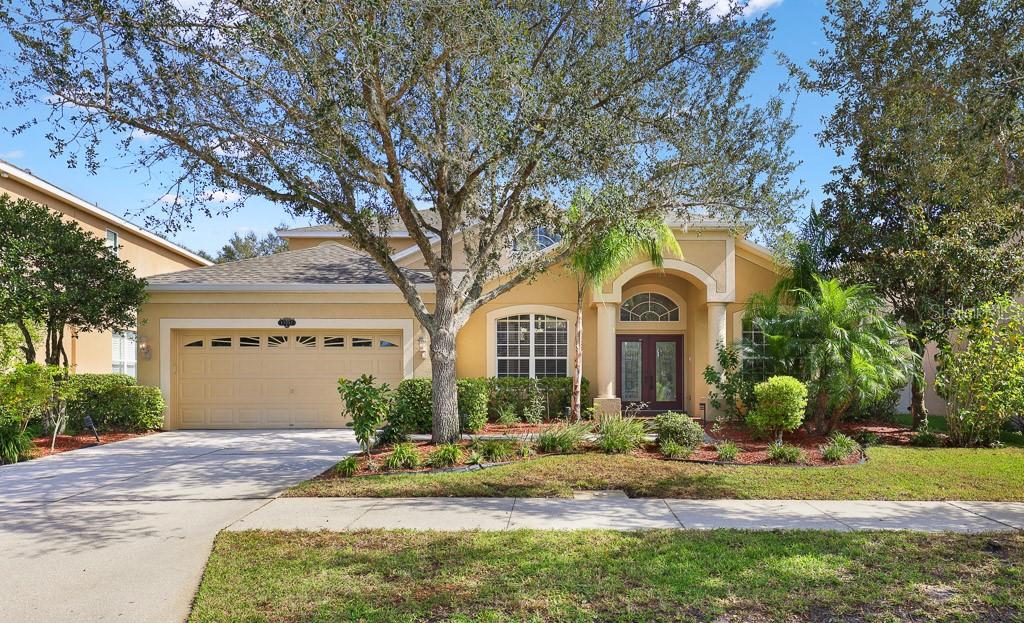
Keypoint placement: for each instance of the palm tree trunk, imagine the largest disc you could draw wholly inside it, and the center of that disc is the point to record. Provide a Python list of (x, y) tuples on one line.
[(577, 360)]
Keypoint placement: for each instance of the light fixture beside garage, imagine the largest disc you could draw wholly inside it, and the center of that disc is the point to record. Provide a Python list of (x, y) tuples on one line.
[(421, 341), (144, 348), (287, 323)]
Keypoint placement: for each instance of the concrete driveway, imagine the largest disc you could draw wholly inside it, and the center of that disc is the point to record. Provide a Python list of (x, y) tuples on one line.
[(122, 531)]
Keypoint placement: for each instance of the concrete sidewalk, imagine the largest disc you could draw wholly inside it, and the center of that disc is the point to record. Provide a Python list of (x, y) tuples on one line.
[(617, 512)]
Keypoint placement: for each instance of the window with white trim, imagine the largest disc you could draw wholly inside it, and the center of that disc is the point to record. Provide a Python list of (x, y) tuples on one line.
[(112, 242), (755, 360), (532, 345), (649, 307), (123, 353)]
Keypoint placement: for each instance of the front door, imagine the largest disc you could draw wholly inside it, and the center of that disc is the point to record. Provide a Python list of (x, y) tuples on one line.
[(650, 371)]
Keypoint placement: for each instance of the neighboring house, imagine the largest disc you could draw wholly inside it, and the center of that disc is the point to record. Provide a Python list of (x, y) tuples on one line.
[(148, 254), (261, 343)]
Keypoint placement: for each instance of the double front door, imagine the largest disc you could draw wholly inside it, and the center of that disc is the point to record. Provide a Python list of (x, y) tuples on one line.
[(650, 371)]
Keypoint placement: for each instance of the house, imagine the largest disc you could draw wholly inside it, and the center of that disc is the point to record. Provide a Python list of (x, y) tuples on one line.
[(261, 343), (148, 254)]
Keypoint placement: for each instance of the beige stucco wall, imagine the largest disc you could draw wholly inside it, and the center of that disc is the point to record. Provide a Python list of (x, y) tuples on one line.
[(92, 352)]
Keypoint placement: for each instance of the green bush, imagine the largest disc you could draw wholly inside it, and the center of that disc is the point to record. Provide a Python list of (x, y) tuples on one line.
[(867, 438), (727, 451), (839, 447), (474, 394), (15, 442), (678, 428), (411, 411), (367, 403), (981, 372), (403, 456), (563, 438), (114, 402), (507, 415), (445, 455), (781, 403), (346, 467), (495, 450), (618, 434), (674, 450), (389, 436), (785, 453), (534, 400)]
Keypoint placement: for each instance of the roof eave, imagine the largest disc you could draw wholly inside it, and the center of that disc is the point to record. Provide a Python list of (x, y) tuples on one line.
[(281, 287)]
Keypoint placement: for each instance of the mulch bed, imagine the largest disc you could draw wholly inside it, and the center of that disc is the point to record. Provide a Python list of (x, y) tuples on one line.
[(77, 442), (493, 428)]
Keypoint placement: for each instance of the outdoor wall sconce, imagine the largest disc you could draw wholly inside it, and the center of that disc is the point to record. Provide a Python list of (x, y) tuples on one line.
[(144, 348), (421, 342)]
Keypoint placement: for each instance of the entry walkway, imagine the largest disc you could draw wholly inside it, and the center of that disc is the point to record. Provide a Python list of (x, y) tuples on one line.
[(617, 512)]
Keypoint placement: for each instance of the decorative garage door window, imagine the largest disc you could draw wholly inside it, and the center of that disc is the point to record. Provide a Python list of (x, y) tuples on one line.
[(533, 345), (649, 307)]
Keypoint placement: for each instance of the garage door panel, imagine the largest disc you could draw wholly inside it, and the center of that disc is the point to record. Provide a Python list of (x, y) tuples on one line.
[(271, 382)]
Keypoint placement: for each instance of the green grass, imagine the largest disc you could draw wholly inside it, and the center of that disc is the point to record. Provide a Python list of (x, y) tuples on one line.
[(891, 473), (790, 576)]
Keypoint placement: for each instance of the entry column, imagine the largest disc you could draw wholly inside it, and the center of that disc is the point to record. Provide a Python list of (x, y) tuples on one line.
[(606, 400)]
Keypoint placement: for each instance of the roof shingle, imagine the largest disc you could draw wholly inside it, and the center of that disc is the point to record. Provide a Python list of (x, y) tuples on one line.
[(324, 264)]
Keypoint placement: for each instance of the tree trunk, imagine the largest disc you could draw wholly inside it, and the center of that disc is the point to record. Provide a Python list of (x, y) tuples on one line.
[(443, 388), (28, 348), (918, 411), (576, 409)]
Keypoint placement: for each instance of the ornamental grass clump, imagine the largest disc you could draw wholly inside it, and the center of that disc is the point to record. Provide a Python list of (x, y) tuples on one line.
[(446, 455), (839, 447), (781, 403), (727, 451), (785, 453), (564, 438), (618, 434), (403, 456)]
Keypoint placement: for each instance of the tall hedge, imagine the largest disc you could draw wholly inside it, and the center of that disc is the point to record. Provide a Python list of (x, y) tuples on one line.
[(411, 412), (533, 400), (114, 402)]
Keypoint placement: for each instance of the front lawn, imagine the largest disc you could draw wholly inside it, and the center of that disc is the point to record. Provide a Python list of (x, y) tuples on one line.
[(724, 575), (891, 473)]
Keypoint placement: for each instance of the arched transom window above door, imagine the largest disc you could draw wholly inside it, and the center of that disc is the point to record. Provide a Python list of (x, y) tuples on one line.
[(649, 307), (532, 345)]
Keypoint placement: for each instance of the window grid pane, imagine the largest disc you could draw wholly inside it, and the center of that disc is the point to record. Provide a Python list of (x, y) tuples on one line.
[(649, 307), (540, 338)]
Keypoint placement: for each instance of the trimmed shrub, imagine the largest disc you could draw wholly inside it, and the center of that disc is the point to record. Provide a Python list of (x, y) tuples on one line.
[(114, 402), (678, 428), (727, 451), (445, 455), (618, 435), (839, 447), (534, 400), (473, 398), (674, 450), (346, 467), (925, 439), (785, 453), (403, 456), (411, 411), (564, 438), (781, 403)]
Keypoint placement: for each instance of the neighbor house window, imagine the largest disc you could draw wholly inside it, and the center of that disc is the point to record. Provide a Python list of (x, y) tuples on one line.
[(539, 238), (123, 353), (649, 307), (533, 345), (112, 241), (755, 359)]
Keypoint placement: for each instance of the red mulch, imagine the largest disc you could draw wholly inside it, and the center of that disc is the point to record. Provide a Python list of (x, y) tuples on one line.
[(755, 451), (493, 428), (76, 442)]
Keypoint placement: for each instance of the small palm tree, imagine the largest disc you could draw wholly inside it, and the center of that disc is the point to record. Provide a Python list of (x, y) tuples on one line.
[(600, 259), (840, 341)]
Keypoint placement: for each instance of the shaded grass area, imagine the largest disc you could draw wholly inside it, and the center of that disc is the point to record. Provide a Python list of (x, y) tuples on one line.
[(721, 575), (891, 473)]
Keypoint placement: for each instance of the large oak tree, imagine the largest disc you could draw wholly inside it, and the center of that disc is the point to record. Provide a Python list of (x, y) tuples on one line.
[(930, 109), (492, 114)]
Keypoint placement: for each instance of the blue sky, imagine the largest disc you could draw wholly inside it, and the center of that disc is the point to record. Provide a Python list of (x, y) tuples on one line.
[(131, 194)]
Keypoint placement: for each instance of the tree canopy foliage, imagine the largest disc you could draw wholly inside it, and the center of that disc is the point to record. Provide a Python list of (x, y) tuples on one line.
[(931, 111), (55, 275), (247, 246), (360, 114)]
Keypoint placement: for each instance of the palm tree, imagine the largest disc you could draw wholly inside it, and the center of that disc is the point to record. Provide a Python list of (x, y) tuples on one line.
[(601, 259), (840, 341)]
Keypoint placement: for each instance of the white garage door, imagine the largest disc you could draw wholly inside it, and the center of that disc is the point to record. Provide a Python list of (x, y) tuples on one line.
[(274, 379)]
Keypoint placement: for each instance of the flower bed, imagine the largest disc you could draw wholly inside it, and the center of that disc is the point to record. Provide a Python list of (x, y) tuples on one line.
[(77, 442)]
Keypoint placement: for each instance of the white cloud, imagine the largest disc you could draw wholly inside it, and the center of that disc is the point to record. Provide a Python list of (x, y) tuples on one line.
[(719, 8), (170, 198), (222, 196), (142, 135), (14, 154)]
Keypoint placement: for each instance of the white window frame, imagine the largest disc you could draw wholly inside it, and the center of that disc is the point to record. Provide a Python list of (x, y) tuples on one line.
[(114, 242), (123, 353), (533, 311)]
